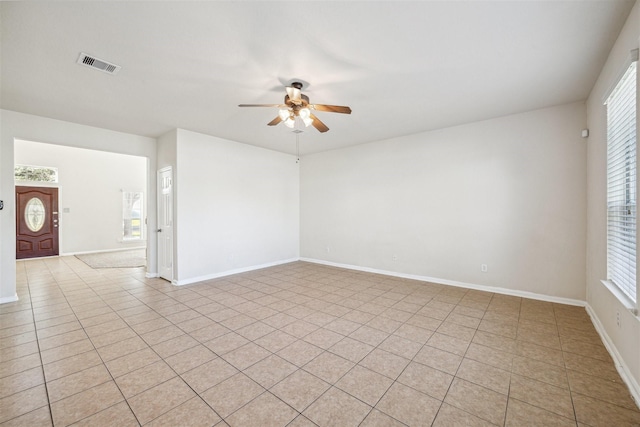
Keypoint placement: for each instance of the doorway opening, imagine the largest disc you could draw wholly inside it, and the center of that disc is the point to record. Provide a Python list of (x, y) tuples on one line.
[(101, 199)]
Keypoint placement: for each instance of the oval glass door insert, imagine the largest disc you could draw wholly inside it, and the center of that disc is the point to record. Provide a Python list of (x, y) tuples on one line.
[(34, 214)]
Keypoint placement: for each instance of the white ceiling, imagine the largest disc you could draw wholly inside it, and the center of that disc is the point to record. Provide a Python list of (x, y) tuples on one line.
[(403, 67)]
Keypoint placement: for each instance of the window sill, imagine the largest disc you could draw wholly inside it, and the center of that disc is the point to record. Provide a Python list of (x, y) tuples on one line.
[(621, 296)]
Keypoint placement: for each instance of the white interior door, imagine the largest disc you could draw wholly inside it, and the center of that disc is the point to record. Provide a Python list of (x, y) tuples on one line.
[(165, 223)]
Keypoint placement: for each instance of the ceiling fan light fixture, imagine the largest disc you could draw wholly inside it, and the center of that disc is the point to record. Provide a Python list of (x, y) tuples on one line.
[(307, 121), (284, 114), (304, 113), (289, 122)]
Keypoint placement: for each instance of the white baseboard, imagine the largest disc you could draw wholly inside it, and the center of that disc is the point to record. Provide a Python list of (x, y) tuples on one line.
[(151, 275), (230, 272), (103, 251), (504, 291), (621, 366), (6, 300)]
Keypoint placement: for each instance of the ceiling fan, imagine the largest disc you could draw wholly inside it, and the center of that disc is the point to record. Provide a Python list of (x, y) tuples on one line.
[(296, 104)]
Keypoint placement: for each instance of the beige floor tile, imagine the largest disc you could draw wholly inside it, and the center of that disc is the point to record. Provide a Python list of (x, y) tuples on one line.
[(450, 416), (425, 322), (131, 362), (369, 335), (265, 410), (503, 328), (540, 371), (520, 414), (226, 343), (174, 345), (594, 412), (194, 410), (232, 394), (163, 334), (448, 343), (544, 339), (150, 325), (485, 375), (112, 337), (300, 352), (615, 392), (40, 417), (359, 316), (384, 324), (22, 402), (14, 366), (379, 419), (117, 415), (456, 330), (323, 338), (408, 405), (439, 359), (67, 350), (275, 341), (385, 363), (466, 320), (245, 356), (300, 389), (364, 384), (122, 348), (62, 339), (77, 382), (144, 378), (328, 367), (82, 405), (489, 356), (342, 326), (428, 380), (351, 349), (21, 381), (299, 328), (477, 400), (190, 358), (537, 352), (337, 408), (160, 399), (591, 366), (542, 395), (270, 371), (547, 356), (208, 374)]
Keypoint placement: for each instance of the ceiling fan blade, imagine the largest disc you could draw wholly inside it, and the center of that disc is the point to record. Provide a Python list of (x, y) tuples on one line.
[(318, 124), (294, 94), (331, 108), (274, 121), (263, 105)]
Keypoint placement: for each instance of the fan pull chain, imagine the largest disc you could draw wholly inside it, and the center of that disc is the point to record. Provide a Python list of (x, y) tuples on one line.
[(298, 147)]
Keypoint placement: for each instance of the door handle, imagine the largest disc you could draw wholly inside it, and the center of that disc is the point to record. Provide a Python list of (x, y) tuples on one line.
[(159, 230)]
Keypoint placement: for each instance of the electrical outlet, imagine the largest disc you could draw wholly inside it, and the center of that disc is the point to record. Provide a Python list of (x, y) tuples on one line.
[(395, 257), (484, 268), (328, 249)]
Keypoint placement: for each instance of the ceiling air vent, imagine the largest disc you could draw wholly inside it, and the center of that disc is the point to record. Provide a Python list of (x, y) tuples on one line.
[(98, 64)]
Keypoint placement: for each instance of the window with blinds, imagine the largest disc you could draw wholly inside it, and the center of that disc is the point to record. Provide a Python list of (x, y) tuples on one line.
[(621, 183)]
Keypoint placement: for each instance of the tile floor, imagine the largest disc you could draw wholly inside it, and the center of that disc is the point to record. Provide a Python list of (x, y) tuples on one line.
[(294, 345)]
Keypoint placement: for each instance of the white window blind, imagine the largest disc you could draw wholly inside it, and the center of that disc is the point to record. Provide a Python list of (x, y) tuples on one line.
[(621, 184)]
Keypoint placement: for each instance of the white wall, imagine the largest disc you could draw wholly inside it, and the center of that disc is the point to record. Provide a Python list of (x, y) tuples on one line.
[(508, 192), (14, 125), (238, 207), (90, 186), (603, 304)]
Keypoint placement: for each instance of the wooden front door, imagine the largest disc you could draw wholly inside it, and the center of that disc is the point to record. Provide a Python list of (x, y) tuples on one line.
[(36, 222)]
